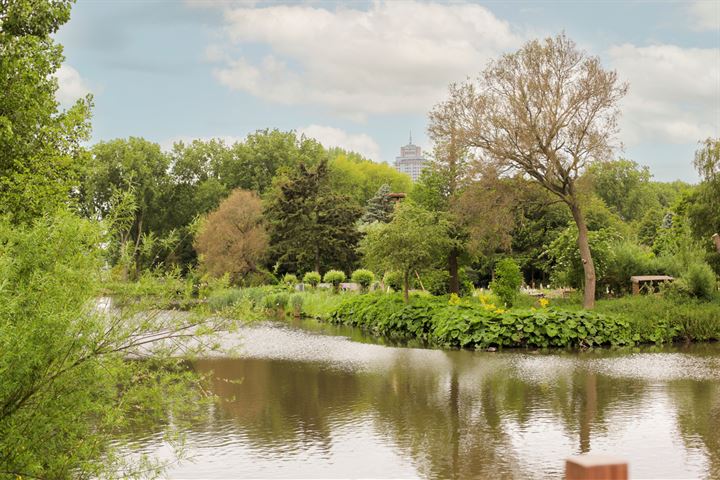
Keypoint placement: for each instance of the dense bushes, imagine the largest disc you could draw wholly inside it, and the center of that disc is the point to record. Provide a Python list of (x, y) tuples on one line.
[(507, 281), (312, 279), (471, 324), (335, 277), (468, 323), (363, 277)]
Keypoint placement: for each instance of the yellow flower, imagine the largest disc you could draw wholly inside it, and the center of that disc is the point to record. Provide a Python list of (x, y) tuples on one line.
[(544, 302), (499, 310)]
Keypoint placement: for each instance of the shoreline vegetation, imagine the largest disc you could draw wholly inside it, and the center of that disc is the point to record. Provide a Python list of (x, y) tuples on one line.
[(477, 321)]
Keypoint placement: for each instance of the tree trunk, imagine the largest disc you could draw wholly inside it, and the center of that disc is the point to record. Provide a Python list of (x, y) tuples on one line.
[(453, 270), (317, 259), (585, 255), (406, 286)]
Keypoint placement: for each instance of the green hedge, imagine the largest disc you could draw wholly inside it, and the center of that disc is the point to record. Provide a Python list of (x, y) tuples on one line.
[(470, 324)]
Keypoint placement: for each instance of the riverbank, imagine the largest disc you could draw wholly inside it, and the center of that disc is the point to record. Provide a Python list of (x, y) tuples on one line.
[(472, 323), (450, 322)]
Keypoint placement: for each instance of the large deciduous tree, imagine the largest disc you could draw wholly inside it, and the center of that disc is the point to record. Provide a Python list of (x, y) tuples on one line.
[(547, 110), (133, 168), (233, 239), (39, 144)]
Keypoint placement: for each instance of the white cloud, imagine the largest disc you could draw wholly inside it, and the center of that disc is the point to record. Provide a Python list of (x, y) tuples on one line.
[(705, 14), (71, 86), (334, 137), (392, 57), (674, 94)]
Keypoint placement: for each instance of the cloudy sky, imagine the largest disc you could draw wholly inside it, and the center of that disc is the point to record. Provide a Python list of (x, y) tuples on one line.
[(362, 75)]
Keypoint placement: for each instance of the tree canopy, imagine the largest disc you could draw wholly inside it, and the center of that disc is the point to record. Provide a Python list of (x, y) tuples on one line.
[(548, 111)]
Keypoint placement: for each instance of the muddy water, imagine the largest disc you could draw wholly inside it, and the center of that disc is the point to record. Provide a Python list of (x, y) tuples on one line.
[(314, 401)]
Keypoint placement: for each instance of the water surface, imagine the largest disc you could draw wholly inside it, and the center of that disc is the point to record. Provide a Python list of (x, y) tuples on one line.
[(310, 400)]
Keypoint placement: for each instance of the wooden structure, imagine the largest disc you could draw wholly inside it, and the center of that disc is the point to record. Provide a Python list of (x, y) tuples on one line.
[(595, 467), (638, 279), (396, 197), (716, 240)]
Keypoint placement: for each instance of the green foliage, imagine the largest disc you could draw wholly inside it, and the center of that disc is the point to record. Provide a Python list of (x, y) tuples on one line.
[(380, 207), (66, 387), (563, 254), (625, 187), (415, 239), (361, 179), (437, 282), (312, 279), (507, 281), (363, 277), (698, 281), (41, 156), (394, 280), (290, 280), (628, 259), (336, 277), (297, 301), (464, 325), (309, 223)]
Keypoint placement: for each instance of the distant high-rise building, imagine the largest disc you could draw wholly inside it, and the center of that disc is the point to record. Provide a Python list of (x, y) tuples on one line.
[(411, 160)]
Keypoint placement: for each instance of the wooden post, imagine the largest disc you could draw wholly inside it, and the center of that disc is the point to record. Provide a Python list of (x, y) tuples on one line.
[(716, 239), (595, 467), (635, 287)]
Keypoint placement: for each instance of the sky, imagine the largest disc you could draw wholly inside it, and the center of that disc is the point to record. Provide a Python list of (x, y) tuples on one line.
[(363, 75)]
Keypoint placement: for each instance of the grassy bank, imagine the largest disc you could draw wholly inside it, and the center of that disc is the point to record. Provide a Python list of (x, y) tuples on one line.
[(472, 322)]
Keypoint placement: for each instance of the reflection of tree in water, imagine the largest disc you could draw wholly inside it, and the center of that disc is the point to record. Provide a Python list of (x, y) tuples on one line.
[(453, 415), (286, 404), (698, 417)]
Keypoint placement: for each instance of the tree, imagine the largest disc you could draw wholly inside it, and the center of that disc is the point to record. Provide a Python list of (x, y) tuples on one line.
[(703, 211), (311, 226), (624, 187), (360, 178), (548, 111), (439, 188), (380, 207), (232, 239), (66, 386), (40, 151), (413, 240), (130, 166)]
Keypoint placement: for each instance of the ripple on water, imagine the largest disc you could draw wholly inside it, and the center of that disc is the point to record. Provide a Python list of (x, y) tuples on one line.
[(278, 342), (659, 367)]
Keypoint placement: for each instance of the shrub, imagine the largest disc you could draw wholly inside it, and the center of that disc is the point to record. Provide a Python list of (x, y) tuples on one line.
[(700, 280), (290, 280), (393, 280), (363, 277), (312, 279), (259, 278), (508, 279), (461, 323), (336, 277), (297, 302), (627, 259)]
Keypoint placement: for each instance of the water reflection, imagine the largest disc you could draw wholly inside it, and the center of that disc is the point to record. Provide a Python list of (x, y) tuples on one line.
[(304, 404)]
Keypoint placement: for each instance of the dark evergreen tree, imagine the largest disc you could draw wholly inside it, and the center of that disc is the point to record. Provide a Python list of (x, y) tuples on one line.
[(311, 226), (380, 207)]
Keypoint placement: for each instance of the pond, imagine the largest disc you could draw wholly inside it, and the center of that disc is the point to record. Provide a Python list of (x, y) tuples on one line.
[(308, 400)]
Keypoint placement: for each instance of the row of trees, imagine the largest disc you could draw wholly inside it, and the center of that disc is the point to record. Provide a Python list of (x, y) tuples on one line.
[(522, 167)]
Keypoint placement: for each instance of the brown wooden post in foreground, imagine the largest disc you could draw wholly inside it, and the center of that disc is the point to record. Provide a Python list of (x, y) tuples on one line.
[(595, 467)]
